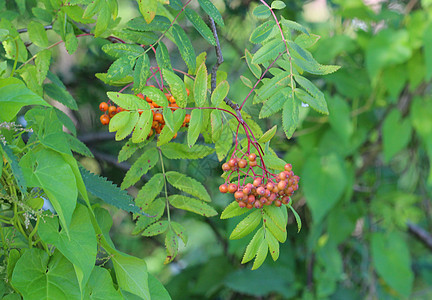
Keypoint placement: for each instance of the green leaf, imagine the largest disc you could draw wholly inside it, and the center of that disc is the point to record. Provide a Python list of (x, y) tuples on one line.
[(219, 94), (119, 50), (223, 145), (262, 32), (297, 217), (42, 62), (306, 41), (247, 225), (61, 95), (39, 276), (278, 233), (274, 162), (233, 210), (156, 228), (391, 258), (121, 82), (200, 86), (167, 134), (316, 101), (77, 146), (129, 148), (268, 135), (150, 191), (274, 104), (177, 87), (120, 68), (216, 125), (255, 68), (163, 58), (277, 84), (323, 178), (119, 121), (159, 23), (13, 96), (246, 81), (153, 212), (261, 255), (276, 214), (195, 126), (192, 205), (148, 9), (15, 167), (140, 167), (261, 12), (278, 5), (294, 26), (108, 192), (142, 127), (185, 47), (396, 134), (47, 169), (254, 244), (269, 51), (103, 20), (131, 274), (273, 245), (80, 247), (126, 101), (212, 11), (126, 130), (200, 25), (37, 34), (100, 286), (71, 43), (182, 151), (171, 244), (155, 95), (188, 185), (180, 231)]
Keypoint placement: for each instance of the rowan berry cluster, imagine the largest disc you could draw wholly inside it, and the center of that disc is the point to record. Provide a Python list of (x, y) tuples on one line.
[(158, 120), (264, 190)]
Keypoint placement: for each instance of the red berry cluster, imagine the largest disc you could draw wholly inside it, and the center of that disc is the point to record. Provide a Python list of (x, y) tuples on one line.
[(266, 190), (158, 120)]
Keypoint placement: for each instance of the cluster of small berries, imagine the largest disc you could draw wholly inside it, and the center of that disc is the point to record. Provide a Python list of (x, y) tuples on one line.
[(274, 189), (109, 112), (158, 119)]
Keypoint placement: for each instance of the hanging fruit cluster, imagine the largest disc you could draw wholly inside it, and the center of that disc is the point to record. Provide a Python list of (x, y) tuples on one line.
[(267, 189), (158, 120)]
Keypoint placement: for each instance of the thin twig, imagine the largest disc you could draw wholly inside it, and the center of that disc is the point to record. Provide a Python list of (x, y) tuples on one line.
[(421, 234)]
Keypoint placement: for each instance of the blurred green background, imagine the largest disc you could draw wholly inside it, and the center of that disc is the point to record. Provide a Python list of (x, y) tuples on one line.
[(366, 182)]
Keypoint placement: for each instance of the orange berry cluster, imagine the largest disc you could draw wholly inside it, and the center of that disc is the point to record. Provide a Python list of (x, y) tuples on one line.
[(158, 120), (274, 189)]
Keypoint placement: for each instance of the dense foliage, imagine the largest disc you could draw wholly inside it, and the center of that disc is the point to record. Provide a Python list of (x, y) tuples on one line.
[(358, 139)]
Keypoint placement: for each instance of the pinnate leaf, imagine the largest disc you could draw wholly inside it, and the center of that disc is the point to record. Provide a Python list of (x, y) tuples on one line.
[(188, 185), (108, 192), (156, 228), (247, 225), (212, 11), (150, 191), (180, 231), (200, 25), (252, 247), (192, 205), (181, 151), (177, 87), (143, 164), (184, 44), (269, 51), (318, 103)]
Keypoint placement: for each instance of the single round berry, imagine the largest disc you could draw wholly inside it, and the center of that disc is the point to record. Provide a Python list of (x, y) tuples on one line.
[(282, 185), (242, 204), (232, 187), (288, 167), (226, 167), (250, 206), (223, 188), (286, 200), (238, 195), (246, 190), (258, 204), (257, 182), (103, 106), (278, 203), (251, 199), (242, 163), (252, 157), (261, 190), (187, 118), (232, 162), (253, 163), (158, 117), (282, 175), (270, 186), (104, 119)]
